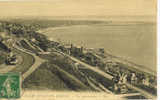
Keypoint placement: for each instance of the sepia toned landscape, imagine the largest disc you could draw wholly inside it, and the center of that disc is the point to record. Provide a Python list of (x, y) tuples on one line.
[(100, 53)]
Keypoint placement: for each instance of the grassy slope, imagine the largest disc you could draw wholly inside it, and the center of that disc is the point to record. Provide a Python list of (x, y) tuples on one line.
[(43, 78), (52, 78)]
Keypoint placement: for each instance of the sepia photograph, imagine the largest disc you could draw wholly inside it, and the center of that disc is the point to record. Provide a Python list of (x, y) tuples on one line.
[(78, 49)]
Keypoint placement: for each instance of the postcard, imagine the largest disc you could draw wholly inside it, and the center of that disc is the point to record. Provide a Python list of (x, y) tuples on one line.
[(78, 49)]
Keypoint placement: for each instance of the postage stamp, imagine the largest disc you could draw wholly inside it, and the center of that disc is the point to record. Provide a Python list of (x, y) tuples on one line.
[(10, 85)]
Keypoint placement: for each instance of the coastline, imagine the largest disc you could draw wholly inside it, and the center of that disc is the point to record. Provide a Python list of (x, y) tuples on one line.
[(117, 58)]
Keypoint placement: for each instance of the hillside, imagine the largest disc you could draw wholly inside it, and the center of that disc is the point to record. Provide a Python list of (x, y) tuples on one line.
[(70, 68), (52, 78), (3, 50), (3, 47), (43, 78)]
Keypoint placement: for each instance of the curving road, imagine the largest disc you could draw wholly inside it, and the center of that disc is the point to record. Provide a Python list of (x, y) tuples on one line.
[(146, 94), (31, 62), (25, 61), (6, 68), (37, 62), (28, 63)]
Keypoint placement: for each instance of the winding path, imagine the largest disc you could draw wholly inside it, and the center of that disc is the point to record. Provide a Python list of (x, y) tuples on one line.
[(110, 77), (6, 68), (25, 61), (37, 63), (143, 92)]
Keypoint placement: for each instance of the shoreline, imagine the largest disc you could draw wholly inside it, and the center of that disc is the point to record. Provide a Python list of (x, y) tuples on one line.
[(122, 58)]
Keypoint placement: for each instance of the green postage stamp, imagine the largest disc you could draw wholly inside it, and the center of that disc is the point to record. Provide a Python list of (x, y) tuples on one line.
[(10, 85)]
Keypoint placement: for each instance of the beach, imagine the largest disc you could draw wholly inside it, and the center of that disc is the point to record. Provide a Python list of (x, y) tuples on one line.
[(134, 42)]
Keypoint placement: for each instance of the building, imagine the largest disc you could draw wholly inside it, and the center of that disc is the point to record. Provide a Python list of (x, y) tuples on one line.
[(76, 51), (146, 81), (133, 78), (11, 59), (68, 49)]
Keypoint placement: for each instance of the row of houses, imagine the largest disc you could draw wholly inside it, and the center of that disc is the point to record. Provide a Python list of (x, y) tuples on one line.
[(123, 75), (86, 55)]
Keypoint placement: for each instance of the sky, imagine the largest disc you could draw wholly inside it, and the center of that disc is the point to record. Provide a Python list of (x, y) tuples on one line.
[(77, 7)]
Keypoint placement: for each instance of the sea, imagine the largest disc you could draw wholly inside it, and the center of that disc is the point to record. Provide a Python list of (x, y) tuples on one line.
[(133, 41)]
